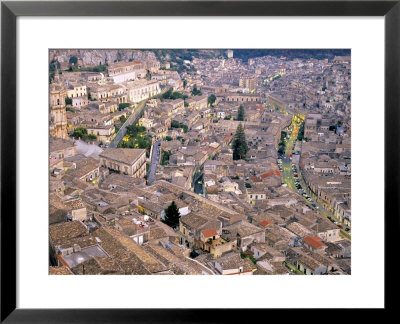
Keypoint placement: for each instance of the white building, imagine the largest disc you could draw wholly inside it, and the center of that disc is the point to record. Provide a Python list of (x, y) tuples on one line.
[(142, 89)]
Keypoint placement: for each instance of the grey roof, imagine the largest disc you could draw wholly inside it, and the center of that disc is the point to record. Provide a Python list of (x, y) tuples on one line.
[(79, 257)]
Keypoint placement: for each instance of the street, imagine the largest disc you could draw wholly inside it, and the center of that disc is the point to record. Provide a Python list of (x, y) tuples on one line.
[(136, 111), (154, 161), (131, 120), (288, 170)]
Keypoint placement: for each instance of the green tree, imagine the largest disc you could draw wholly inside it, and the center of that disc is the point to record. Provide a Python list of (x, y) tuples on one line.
[(148, 75), (167, 94), (176, 124), (96, 68), (172, 215), (73, 60), (195, 91), (239, 145), (300, 135), (80, 132), (68, 101), (211, 99), (240, 115), (123, 105), (165, 157)]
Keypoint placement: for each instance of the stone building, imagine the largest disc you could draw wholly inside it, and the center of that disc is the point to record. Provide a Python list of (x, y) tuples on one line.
[(124, 71), (131, 162), (58, 113), (142, 89), (243, 98)]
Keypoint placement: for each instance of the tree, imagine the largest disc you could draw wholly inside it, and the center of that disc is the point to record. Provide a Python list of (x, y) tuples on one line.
[(211, 99), (68, 101), (240, 115), (123, 105), (165, 157), (73, 60), (172, 215), (195, 91), (81, 132), (300, 135), (148, 75), (239, 145)]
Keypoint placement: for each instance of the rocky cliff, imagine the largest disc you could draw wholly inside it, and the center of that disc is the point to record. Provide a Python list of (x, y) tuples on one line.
[(99, 56)]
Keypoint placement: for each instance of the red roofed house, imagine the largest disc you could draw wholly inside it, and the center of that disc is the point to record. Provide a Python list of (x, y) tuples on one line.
[(210, 233), (227, 138), (265, 223), (212, 242), (255, 179), (314, 244), (271, 173)]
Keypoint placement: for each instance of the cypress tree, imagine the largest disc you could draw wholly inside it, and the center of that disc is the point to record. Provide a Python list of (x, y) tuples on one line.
[(240, 115), (172, 215), (239, 145)]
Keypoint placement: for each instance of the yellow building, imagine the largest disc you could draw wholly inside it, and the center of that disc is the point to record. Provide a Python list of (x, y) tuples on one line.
[(76, 90)]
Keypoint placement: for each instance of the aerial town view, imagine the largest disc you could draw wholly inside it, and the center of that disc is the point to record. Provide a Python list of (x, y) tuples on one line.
[(200, 162)]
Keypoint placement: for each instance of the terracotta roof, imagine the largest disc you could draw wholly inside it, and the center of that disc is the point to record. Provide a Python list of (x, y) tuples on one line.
[(314, 241), (268, 174), (209, 232), (255, 179), (265, 223)]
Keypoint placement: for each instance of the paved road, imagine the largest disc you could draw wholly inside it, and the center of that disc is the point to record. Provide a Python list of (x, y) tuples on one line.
[(154, 161), (288, 178), (131, 120)]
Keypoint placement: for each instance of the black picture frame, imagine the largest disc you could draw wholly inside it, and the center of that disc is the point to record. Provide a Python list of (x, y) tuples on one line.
[(9, 13)]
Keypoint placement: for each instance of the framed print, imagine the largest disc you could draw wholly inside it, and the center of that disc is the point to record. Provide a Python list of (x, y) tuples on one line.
[(197, 158)]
